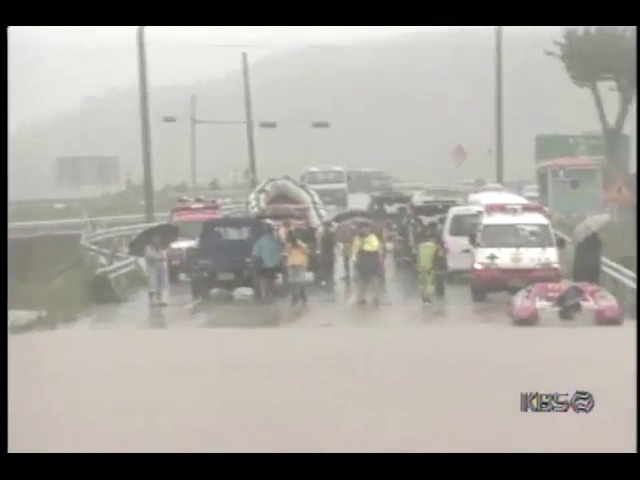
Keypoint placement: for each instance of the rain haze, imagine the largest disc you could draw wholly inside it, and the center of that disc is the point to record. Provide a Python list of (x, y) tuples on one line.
[(72, 91), (326, 281)]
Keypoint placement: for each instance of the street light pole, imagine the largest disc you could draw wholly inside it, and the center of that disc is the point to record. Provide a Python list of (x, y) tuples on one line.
[(145, 128), (248, 109), (193, 122), (499, 128)]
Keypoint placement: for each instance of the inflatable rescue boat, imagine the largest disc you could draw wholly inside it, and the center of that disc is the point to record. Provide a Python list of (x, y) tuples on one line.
[(286, 192)]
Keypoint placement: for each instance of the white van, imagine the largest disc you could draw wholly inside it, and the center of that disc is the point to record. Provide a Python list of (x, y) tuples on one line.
[(460, 223), (514, 246)]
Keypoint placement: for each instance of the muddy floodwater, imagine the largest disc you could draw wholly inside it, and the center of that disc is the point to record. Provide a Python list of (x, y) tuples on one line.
[(415, 388)]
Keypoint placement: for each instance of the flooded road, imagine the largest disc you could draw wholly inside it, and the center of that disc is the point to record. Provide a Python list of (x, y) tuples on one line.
[(238, 377)]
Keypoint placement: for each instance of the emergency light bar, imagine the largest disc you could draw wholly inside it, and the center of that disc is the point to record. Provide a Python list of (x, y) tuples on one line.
[(188, 207), (516, 208)]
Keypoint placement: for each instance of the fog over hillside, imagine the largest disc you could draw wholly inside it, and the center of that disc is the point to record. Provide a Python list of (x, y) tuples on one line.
[(401, 105)]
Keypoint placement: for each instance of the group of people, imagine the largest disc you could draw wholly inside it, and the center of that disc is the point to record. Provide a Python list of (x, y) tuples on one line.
[(363, 256), (271, 251), (283, 251)]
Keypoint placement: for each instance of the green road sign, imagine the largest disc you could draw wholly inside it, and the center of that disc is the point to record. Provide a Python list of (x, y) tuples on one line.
[(549, 147)]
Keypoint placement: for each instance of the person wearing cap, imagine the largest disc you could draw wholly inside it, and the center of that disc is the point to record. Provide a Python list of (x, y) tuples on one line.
[(367, 257), (267, 253)]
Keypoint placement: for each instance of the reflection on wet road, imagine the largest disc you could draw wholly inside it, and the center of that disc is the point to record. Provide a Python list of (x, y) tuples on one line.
[(220, 311)]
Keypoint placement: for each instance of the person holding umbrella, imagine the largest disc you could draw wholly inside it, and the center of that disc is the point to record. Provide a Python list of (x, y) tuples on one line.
[(151, 244), (587, 255), (157, 273)]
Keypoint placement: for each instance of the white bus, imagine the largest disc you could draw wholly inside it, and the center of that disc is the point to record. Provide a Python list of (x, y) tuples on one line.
[(330, 183)]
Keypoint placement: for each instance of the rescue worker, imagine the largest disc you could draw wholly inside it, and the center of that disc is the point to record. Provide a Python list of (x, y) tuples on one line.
[(381, 231), (431, 267), (327, 250), (297, 254), (367, 257)]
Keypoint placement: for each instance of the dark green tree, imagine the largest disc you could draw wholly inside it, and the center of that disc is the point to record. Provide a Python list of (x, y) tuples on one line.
[(596, 58)]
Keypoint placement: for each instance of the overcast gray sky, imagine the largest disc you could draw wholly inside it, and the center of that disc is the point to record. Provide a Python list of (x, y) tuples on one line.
[(84, 80), (52, 69)]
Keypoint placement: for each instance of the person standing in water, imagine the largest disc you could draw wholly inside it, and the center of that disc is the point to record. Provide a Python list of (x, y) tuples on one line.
[(327, 248), (156, 262), (297, 254), (267, 253), (431, 266), (368, 256)]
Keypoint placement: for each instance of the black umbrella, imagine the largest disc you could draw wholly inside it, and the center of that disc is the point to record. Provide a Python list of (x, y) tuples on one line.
[(168, 234), (350, 214)]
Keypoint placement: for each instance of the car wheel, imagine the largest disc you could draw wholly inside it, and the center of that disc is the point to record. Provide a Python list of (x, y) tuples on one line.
[(478, 295)]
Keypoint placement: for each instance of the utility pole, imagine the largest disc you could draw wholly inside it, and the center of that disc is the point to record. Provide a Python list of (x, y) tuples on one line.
[(193, 122), (499, 130), (249, 120), (145, 128)]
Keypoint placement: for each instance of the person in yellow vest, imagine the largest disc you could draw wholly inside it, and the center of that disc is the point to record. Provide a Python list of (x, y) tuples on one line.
[(297, 254), (367, 256), (431, 259)]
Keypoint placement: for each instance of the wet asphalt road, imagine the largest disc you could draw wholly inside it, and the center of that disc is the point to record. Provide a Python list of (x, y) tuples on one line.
[(236, 376), (221, 312), (246, 378)]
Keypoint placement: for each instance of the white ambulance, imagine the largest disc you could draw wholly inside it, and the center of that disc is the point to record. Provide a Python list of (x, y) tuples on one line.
[(514, 246), (462, 221)]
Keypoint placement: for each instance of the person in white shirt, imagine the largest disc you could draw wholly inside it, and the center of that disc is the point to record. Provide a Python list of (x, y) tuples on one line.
[(156, 261)]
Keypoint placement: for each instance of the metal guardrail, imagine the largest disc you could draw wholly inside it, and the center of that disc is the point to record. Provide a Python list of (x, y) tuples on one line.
[(620, 281), (23, 229), (227, 198), (625, 275)]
